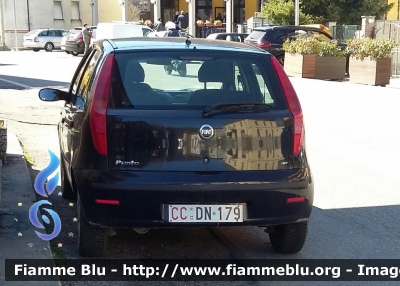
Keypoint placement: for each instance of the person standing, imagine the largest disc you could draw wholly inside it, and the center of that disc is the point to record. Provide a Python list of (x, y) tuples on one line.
[(86, 37), (158, 25), (182, 21)]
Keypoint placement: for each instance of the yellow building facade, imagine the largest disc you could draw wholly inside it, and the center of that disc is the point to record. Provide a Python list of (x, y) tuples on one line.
[(394, 13), (108, 11), (209, 9)]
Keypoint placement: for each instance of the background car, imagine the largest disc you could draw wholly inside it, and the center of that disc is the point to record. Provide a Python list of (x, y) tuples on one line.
[(234, 37), (222, 147), (65, 37), (74, 41), (271, 38), (43, 39)]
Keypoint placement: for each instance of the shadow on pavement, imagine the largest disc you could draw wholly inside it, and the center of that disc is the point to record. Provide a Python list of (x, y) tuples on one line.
[(15, 82)]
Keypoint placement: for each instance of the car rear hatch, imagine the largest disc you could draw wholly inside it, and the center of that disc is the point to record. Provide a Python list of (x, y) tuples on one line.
[(74, 36), (30, 37), (231, 112)]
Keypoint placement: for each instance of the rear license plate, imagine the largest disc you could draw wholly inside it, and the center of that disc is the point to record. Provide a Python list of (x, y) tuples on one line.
[(205, 213)]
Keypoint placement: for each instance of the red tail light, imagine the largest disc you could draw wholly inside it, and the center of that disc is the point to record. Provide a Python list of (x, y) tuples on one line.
[(295, 200), (107, 202), (36, 40), (99, 105), (294, 107), (80, 38), (261, 44)]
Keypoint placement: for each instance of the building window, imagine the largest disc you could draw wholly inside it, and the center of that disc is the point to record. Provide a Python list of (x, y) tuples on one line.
[(75, 12), (58, 12)]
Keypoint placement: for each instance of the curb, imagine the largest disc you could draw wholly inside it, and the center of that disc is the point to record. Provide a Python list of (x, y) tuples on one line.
[(17, 189)]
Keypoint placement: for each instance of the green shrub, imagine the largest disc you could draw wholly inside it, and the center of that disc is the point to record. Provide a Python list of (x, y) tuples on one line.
[(367, 47), (313, 46)]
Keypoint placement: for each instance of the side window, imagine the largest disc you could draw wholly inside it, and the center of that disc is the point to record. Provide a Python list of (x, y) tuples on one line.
[(280, 36), (145, 32), (54, 33), (44, 34), (86, 80), (77, 81)]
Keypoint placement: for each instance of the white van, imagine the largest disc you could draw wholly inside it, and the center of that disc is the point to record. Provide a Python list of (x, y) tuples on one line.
[(120, 30)]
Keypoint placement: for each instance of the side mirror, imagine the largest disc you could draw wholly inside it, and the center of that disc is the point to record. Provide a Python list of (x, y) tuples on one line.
[(50, 94)]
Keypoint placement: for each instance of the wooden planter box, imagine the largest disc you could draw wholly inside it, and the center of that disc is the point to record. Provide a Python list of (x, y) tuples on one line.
[(369, 71), (316, 67)]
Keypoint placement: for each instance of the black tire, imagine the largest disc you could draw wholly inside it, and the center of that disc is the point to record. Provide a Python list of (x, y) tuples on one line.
[(74, 53), (182, 70), (168, 69), (92, 241), (68, 52), (289, 238), (49, 47), (36, 50), (281, 59), (66, 188)]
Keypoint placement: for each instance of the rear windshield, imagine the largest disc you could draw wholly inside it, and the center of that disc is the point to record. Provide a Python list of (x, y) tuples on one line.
[(188, 80), (255, 35), (32, 32)]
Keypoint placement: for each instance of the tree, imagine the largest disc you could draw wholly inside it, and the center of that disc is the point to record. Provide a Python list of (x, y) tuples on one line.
[(133, 11), (281, 12), (345, 11)]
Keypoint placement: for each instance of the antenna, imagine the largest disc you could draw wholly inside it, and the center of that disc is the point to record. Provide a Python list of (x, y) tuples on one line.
[(188, 42)]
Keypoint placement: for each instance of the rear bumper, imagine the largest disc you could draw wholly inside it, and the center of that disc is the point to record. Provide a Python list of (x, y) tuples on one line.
[(77, 48), (142, 200), (33, 45)]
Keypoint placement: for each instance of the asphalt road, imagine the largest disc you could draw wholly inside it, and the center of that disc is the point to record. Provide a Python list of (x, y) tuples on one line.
[(352, 143)]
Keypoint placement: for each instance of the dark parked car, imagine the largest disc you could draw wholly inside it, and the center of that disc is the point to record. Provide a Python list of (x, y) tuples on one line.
[(223, 146), (74, 43), (271, 38)]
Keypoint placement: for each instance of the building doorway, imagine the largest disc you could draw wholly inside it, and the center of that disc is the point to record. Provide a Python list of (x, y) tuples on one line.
[(168, 9), (204, 9), (239, 11)]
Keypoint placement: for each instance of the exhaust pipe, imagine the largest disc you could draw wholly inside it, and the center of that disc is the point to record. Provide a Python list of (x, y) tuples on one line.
[(141, 230)]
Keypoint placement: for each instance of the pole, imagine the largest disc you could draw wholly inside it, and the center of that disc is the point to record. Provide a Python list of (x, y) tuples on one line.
[(95, 13), (192, 17), (15, 28), (123, 7), (229, 21), (297, 13)]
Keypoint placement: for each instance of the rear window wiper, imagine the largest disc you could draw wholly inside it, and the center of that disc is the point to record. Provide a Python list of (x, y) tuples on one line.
[(236, 107)]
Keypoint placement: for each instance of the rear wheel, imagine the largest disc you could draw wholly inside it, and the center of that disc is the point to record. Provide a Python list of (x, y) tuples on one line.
[(289, 238), (168, 69), (182, 70), (36, 50), (68, 52), (92, 241), (49, 47), (74, 53), (66, 188)]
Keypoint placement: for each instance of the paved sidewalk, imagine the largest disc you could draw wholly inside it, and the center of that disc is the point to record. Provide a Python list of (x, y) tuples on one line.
[(394, 82), (17, 188)]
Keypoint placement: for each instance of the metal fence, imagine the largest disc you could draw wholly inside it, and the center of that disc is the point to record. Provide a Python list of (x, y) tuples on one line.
[(390, 30), (344, 32)]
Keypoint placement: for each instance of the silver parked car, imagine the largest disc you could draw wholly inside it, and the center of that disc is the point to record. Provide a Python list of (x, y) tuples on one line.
[(44, 39)]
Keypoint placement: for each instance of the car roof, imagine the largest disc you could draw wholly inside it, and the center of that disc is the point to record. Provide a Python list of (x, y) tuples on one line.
[(171, 43), (286, 27)]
